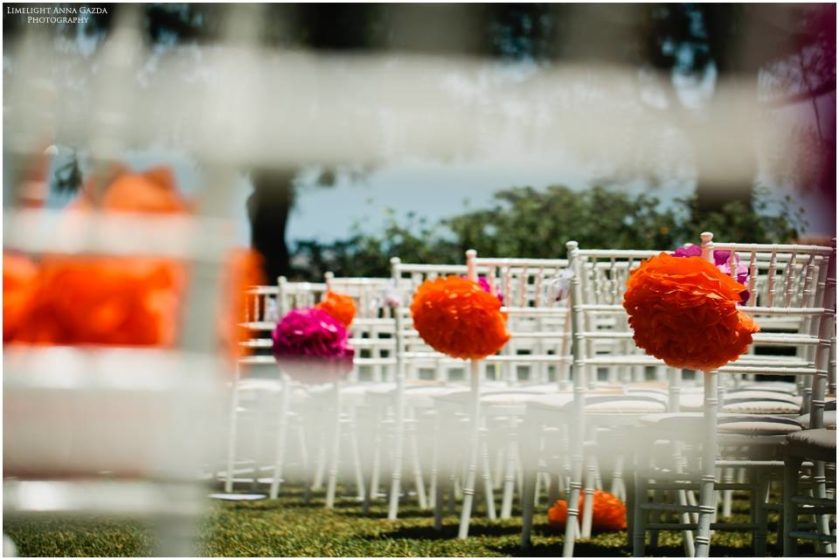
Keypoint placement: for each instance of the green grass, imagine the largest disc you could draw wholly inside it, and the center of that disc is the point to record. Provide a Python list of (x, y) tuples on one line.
[(290, 527)]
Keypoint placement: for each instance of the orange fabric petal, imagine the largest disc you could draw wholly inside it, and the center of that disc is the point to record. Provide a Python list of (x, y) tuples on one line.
[(684, 311), (20, 278), (456, 317), (340, 306), (608, 512)]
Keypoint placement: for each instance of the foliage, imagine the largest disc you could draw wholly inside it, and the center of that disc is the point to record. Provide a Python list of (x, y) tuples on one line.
[(525, 222)]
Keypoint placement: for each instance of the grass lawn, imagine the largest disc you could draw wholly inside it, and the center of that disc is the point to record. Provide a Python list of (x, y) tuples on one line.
[(289, 527)]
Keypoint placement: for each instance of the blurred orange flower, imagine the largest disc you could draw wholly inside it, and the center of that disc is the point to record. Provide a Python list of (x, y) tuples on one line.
[(684, 311), (457, 317), (105, 300), (132, 301), (20, 277), (340, 306), (608, 512), (243, 271), (153, 192)]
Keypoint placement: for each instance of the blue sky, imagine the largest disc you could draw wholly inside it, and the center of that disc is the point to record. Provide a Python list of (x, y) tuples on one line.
[(430, 189)]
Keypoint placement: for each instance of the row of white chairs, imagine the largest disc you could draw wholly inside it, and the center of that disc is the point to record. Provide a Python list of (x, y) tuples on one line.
[(537, 415)]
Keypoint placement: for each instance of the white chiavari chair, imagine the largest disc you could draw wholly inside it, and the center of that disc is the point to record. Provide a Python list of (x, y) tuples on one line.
[(416, 362), (809, 456), (539, 347), (788, 289)]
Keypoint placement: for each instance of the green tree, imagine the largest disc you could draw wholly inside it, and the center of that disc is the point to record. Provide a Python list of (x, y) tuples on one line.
[(525, 222)]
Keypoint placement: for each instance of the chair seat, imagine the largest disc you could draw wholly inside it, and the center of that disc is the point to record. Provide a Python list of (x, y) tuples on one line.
[(603, 403), (691, 423), (746, 402), (817, 444), (625, 404), (774, 386), (829, 419), (762, 406), (757, 425)]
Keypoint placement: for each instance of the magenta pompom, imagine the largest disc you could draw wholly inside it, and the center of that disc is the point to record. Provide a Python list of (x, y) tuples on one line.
[(722, 260), (312, 346)]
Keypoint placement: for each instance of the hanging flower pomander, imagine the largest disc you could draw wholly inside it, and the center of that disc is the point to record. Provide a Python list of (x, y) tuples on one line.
[(684, 311), (340, 306), (312, 346), (457, 317), (110, 300), (608, 512)]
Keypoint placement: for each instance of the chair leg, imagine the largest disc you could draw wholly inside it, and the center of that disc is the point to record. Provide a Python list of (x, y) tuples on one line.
[(419, 482), (531, 480), (282, 429), (499, 471), (396, 467), (820, 491), (790, 513), (372, 489), (334, 459), (588, 498), (469, 485), (708, 495), (486, 476), (231, 437), (438, 501), (658, 497), (356, 458), (727, 495), (258, 435), (509, 478), (335, 452), (304, 461), (571, 525), (682, 497), (761, 491), (639, 497), (433, 483), (320, 464), (616, 488), (687, 534), (439, 477)]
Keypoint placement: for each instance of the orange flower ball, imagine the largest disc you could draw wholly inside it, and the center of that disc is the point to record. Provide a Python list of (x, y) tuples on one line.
[(608, 512), (684, 311), (340, 306), (20, 278), (151, 192), (106, 300), (457, 317)]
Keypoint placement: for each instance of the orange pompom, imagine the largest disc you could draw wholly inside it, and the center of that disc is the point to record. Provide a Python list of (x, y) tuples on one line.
[(105, 300), (243, 271), (608, 512), (684, 311), (20, 284), (150, 192), (457, 317), (340, 306)]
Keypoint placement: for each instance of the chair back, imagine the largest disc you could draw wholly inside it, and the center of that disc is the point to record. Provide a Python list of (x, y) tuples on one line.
[(538, 320), (792, 298)]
